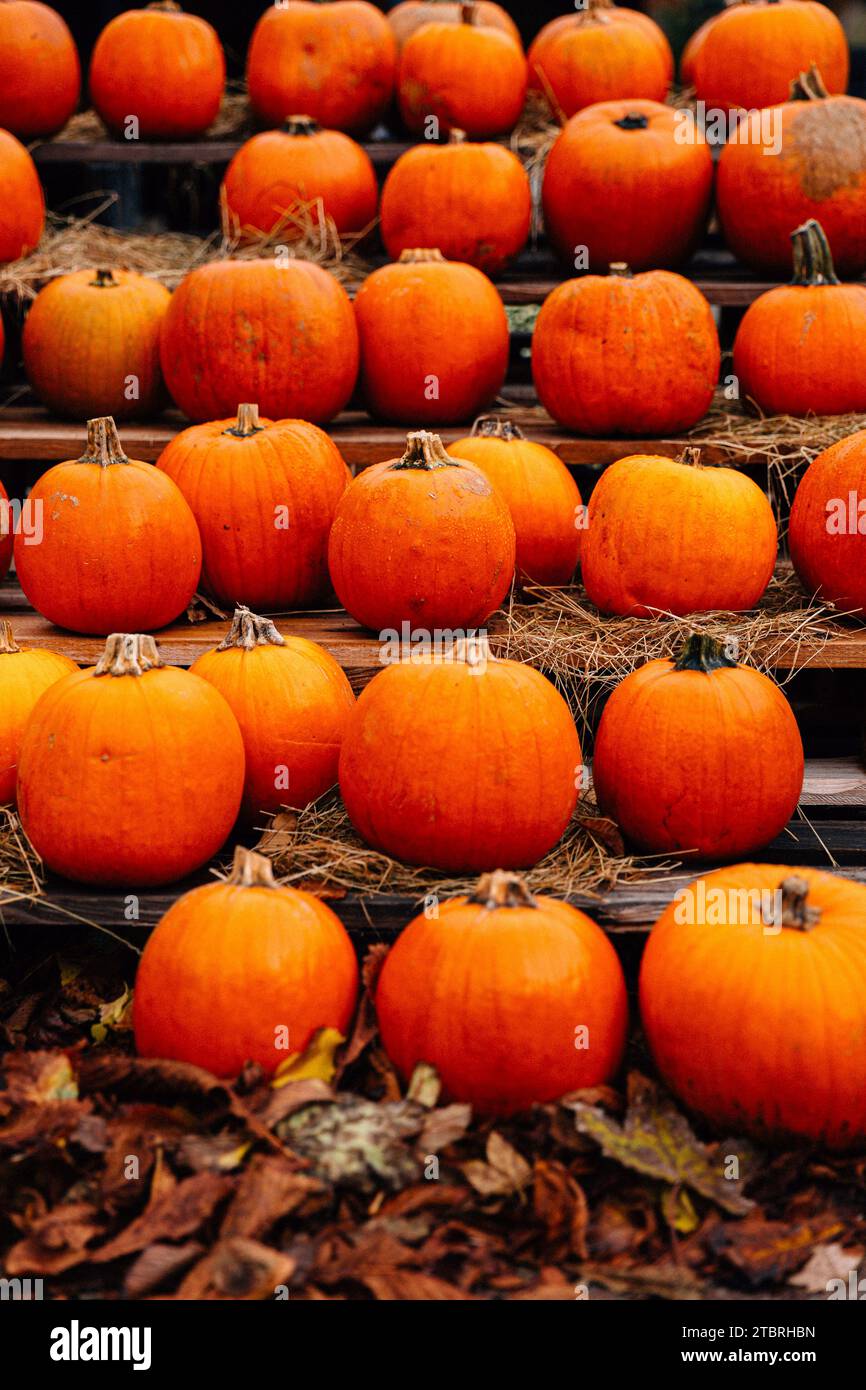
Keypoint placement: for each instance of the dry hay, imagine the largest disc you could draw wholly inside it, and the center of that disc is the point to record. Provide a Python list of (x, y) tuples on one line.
[(20, 865), (233, 122), (319, 849)]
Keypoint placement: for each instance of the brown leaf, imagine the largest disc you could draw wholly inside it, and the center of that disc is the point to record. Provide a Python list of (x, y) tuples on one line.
[(287, 1099), (442, 1127), (238, 1269), (56, 1241), (766, 1251), (604, 831), (157, 1264), (269, 1190), (37, 1078), (503, 1175), (559, 1203), (177, 1213), (411, 1284), (826, 1264)]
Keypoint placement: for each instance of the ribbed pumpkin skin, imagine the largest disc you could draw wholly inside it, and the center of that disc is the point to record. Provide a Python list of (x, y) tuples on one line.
[(410, 545), (276, 170), (335, 62), (24, 676), (750, 54), (235, 487), (598, 172), (481, 197), (604, 53), (460, 768), (6, 532), (229, 967), (22, 205), (676, 537), (406, 315), (762, 1032), (659, 365), (492, 997), (542, 497), (291, 704), (411, 15), (826, 541), (468, 76), (130, 780), (685, 760), (820, 171), (161, 65), (281, 335), (83, 342), (40, 74)]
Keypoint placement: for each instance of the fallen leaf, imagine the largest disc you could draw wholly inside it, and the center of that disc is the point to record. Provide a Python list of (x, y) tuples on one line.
[(504, 1174), (269, 1191), (424, 1085), (115, 1017), (357, 1142), (177, 1213), (679, 1211), (56, 1242), (826, 1263), (604, 830), (158, 1263), (37, 1078), (238, 1269), (559, 1203), (316, 1062), (442, 1127), (766, 1251)]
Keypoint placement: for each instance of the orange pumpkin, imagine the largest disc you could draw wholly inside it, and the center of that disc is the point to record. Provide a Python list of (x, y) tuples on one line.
[(22, 205), (291, 700), (280, 334), (541, 494), (604, 52), (303, 164), (40, 75), (459, 761), (493, 992), (819, 171), (162, 67), (91, 343), (131, 772), (119, 547), (620, 355), (827, 530), (414, 367), (802, 347), (243, 970), (264, 496), (6, 532), (613, 158), (25, 674), (469, 75), (411, 15), (698, 755), (421, 539), (720, 555), (334, 61), (481, 196), (749, 55), (752, 992)]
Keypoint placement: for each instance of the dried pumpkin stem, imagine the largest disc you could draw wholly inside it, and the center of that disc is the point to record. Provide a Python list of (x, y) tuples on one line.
[(496, 427), (700, 652), (808, 86), (247, 422), (456, 136), (103, 443), (104, 280), (472, 651), (813, 261), (249, 631), (502, 889), (797, 912), (251, 870), (469, 12), (632, 120), (425, 450), (301, 125), (170, 6), (620, 270), (416, 254), (691, 455), (8, 645), (128, 654)]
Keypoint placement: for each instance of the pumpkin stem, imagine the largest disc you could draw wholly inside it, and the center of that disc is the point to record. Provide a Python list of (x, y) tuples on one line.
[(797, 912), (456, 136), (808, 86), (472, 651), (502, 889), (424, 449), (248, 422), (103, 443), (249, 631), (421, 253), (128, 654), (700, 652), (251, 870), (170, 6), (103, 280), (301, 125), (691, 456), (813, 262), (496, 427), (469, 12), (633, 120), (620, 269), (8, 645)]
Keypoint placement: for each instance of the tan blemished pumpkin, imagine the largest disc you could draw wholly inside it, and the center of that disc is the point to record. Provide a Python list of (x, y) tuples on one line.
[(40, 74), (22, 204), (291, 700), (411, 15), (25, 674), (91, 344), (603, 52), (424, 539), (282, 334), (698, 755), (495, 992), (480, 193), (541, 495), (669, 535), (131, 772), (459, 761), (299, 170), (616, 354), (264, 494), (243, 970), (469, 75), (161, 67), (120, 547), (617, 156), (415, 368), (827, 530), (802, 347), (753, 1000)]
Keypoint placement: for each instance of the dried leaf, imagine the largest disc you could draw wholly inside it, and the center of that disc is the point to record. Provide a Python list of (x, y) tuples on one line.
[(269, 1191), (442, 1127), (56, 1242), (766, 1251), (424, 1085), (316, 1062), (115, 1017), (679, 1211), (38, 1078), (605, 831), (177, 1213), (825, 1264), (157, 1264), (357, 1142), (503, 1175), (238, 1269)]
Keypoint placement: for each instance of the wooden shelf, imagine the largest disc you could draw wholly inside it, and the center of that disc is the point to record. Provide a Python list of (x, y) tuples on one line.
[(383, 153)]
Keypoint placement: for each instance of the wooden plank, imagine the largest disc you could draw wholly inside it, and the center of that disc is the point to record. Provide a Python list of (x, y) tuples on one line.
[(383, 153)]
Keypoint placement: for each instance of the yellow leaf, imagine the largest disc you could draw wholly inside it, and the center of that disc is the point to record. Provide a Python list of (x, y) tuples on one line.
[(317, 1059)]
